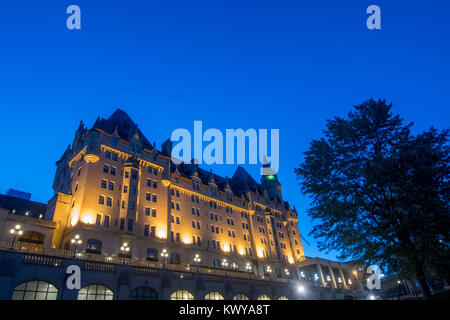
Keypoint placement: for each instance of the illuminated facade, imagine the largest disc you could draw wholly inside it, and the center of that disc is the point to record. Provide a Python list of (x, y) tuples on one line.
[(113, 187), (140, 227)]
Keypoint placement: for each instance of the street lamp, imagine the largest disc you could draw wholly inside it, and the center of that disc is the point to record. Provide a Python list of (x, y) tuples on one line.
[(286, 271), (301, 290), (372, 297), (248, 267), (76, 241), (124, 250), (164, 254), (225, 263), (197, 259), (15, 231)]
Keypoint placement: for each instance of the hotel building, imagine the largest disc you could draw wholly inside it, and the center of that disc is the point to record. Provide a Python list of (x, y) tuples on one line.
[(140, 226)]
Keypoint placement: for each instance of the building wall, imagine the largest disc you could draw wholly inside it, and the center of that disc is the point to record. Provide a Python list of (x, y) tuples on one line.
[(271, 239)]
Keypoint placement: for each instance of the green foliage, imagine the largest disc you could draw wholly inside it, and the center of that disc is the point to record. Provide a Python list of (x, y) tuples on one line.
[(380, 194)]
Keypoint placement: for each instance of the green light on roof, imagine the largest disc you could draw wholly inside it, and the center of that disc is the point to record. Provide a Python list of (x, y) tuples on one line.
[(271, 177)]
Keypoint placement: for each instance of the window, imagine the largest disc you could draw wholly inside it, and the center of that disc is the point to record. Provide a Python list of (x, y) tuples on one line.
[(98, 221), (105, 169), (240, 296), (109, 202), (177, 206), (143, 294), (106, 221), (147, 211), (152, 231), (155, 185), (94, 246), (154, 199), (130, 225), (263, 297), (111, 186), (113, 171), (35, 290), (103, 185), (101, 200), (149, 183), (216, 263), (214, 296), (114, 156), (154, 213), (108, 155), (146, 230), (134, 175), (147, 196), (175, 257), (125, 189), (152, 254), (234, 266), (95, 292), (122, 223), (178, 220), (181, 295)]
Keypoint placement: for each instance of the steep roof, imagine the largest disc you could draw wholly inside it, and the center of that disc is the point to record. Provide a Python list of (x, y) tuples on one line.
[(126, 127)]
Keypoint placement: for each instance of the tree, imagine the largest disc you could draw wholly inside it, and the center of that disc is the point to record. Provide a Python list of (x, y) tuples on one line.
[(380, 194)]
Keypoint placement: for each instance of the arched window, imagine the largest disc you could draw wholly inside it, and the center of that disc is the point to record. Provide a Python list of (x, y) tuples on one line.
[(35, 290), (143, 293), (175, 258), (234, 266), (31, 238), (95, 292), (263, 297), (283, 298), (214, 296), (240, 296), (181, 295), (94, 246), (216, 263), (152, 254)]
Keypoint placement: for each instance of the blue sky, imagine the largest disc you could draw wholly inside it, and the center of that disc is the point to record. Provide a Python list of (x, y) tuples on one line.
[(287, 65)]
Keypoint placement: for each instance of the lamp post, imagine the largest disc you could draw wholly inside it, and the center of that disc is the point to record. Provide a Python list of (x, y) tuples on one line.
[(165, 255), (301, 289), (124, 250), (197, 259), (248, 267), (15, 231), (76, 241), (224, 263)]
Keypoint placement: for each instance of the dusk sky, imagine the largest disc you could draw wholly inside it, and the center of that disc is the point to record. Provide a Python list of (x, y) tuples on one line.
[(287, 65)]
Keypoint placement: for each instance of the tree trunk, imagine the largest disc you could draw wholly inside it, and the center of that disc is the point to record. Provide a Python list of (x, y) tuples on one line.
[(423, 283)]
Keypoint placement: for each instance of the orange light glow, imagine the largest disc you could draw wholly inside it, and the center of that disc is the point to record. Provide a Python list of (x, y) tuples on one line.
[(260, 253), (291, 260), (187, 239), (241, 251), (88, 219), (161, 233), (226, 248)]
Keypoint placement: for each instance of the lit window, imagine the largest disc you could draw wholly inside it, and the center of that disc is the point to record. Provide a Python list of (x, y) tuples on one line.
[(214, 296), (181, 295), (35, 290), (95, 292)]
